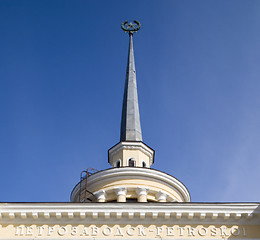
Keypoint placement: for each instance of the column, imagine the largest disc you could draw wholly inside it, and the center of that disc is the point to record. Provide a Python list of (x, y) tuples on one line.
[(100, 195), (142, 194), (121, 194), (161, 196)]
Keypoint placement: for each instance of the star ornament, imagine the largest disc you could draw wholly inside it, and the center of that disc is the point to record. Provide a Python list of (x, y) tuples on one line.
[(131, 27)]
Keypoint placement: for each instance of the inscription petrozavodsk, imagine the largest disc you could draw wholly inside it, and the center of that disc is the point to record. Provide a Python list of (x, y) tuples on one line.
[(130, 231)]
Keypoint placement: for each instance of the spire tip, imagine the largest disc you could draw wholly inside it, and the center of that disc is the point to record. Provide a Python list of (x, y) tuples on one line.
[(131, 27)]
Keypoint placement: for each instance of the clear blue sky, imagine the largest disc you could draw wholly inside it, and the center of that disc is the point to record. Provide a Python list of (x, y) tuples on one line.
[(62, 72)]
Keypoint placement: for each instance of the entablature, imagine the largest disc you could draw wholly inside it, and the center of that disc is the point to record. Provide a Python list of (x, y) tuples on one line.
[(244, 213)]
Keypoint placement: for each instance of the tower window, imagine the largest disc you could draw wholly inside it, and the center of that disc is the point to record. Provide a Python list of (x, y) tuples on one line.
[(144, 164), (131, 162), (118, 164)]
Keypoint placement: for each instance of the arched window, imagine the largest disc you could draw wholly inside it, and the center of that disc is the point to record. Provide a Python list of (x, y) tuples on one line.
[(131, 162), (144, 164), (118, 163)]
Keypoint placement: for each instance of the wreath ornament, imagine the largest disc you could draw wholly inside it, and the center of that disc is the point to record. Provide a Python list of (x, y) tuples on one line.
[(131, 27)]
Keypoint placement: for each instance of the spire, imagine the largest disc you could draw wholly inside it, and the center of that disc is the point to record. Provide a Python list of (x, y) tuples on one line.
[(130, 121), (130, 151)]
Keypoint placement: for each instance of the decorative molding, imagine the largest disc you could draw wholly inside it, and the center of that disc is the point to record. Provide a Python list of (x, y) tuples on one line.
[(95, 215), (246, 213), (82, 215), (130, 215), (119, 215), (100, 195), (107, 215), (155, 215), (161, 196), (167, 215), (120, 191), (58, 215), (178, 215), (142, 191)]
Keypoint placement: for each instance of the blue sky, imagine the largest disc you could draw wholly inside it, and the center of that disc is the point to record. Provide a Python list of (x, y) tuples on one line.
[(62, 71)]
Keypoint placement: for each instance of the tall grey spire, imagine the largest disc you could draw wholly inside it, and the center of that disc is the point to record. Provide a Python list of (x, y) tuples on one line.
[(130, 122)]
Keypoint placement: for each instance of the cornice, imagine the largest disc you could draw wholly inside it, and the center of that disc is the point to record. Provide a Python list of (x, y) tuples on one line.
[(244, 213)]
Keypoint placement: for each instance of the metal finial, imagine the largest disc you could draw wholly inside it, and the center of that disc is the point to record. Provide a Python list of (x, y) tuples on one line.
[(131, 27)]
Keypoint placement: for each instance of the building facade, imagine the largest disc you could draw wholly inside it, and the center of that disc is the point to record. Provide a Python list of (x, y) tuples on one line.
[(130, 200)]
